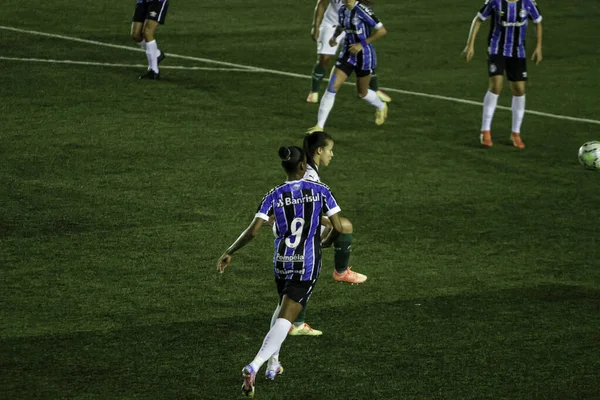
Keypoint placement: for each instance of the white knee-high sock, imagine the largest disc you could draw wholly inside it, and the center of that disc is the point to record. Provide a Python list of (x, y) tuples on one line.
[(489, 106), (272, 342), (373, 100), (152, 55), (142, 44), (325, 107), (273, 319), (518, 112)]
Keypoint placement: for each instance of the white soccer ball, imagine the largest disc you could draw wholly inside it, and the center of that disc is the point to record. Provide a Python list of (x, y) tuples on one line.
[(589, 155)]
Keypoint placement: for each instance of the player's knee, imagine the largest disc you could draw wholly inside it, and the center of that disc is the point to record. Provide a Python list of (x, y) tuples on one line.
[(136, 36), (148, 35), (346, 225)]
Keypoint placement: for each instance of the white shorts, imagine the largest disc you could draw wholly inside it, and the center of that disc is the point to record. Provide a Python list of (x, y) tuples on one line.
[(325, 33)]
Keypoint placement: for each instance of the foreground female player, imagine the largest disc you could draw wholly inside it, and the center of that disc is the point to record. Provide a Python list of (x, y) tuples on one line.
[(297, 206)]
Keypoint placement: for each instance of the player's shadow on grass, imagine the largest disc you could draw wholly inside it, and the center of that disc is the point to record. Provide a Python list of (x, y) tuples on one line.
[(507, 343)]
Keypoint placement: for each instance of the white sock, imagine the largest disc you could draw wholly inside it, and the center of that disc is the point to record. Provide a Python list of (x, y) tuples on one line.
[(272, 342), (273, 319), (325, 108), (152, 55), (518, 111), (142, 44), (489, 106), (374, 100)]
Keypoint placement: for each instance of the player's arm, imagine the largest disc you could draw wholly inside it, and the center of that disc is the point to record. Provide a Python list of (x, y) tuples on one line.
[(318, 18), (335, 232), (338, 31), (537, 53), (379, 32), (469, 49), (246, 236)]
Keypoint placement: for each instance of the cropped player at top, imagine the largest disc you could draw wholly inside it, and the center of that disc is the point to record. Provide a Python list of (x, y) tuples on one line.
[(147, 16), (318, 147), (362, 28), (297, 206), (506, 52), (325, 19)]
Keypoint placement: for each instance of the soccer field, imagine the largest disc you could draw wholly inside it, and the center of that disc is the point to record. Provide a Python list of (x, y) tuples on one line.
[(119, 195)]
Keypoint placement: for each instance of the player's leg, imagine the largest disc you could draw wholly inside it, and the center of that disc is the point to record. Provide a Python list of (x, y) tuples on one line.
[(136, 34), (325, 58), (362, 86), (516, 72), (342, 247), (288, 312), (496, 65), (341, 73), (324, 62), (157, 13), (374, 86)]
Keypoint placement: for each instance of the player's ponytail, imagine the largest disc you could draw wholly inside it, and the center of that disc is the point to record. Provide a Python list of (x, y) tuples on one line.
[(312, 142), (291, 157)]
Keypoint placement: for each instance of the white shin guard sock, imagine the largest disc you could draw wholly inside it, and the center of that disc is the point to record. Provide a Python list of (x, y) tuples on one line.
[(325, 108), (272, 342), (374, 100), (518, 112), (489, 106), (152, 55)]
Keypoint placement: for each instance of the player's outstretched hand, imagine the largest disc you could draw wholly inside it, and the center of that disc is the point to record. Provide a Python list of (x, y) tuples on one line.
[(332, 42), (537, 55), (223, 262), (468, 53)]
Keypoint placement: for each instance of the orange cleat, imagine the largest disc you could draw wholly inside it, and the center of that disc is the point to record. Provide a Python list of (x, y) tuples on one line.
[(515, 138), (349, 276), (486, 138)]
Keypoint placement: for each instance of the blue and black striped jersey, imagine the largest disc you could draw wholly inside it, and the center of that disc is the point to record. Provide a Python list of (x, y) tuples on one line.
[(509, 25), (358, 23), (297, 207)]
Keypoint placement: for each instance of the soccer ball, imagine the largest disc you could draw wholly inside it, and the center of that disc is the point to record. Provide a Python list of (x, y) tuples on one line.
[(589, 155)]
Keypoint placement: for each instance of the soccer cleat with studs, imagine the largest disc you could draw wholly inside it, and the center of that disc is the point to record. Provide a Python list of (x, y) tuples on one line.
[(151, 75), (313, 97), (485, 138), (274, 369), (304, 330), (515, 138), (248, 374), (381, 115), (383, 96), (314, 129), (349, 276)]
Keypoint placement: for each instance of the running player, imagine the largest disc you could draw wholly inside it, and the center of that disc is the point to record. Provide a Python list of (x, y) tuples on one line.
[(147, 16), (357, 54), (297, 206), (318, 147), (506, 51), (325, 19)]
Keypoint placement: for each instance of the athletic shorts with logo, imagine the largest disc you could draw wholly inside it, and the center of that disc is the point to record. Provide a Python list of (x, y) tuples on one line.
[(299, 291), (156, 10), (515, 67), (345, 66)]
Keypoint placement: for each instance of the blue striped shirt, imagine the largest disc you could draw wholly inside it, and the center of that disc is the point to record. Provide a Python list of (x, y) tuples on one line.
[(297, 207), (358, 23), (509, 25)]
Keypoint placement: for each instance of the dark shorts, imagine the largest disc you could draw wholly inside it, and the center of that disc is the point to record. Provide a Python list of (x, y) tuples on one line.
[(156, 10), (299, 291), (516, 68), (348, 68)]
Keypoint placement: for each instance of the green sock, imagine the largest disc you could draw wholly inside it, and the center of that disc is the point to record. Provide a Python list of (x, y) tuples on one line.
[(373, 85), (300, 320), (342, 252), (317, 76)]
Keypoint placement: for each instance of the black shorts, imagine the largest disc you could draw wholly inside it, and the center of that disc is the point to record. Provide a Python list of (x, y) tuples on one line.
[(155, 10), (299, 291), (345, 66), (516, 68)]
